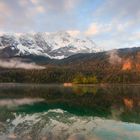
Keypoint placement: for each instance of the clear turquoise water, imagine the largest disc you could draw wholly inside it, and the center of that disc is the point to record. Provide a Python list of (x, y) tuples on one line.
[(55, 112)]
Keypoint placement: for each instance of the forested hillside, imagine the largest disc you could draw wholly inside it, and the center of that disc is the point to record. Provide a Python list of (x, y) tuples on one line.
[(117, 66)]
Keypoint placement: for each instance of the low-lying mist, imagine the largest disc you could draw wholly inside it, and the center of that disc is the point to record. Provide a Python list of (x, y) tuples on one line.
[(114, 58), (16, 64), (18, 102)]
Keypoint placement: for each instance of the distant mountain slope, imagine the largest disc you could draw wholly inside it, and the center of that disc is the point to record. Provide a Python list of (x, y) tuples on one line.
[(115, 66), (84, 58), (54, 45), (101, 56)]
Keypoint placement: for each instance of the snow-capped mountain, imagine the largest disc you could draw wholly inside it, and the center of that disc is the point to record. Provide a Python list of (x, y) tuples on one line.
[(53, 45)]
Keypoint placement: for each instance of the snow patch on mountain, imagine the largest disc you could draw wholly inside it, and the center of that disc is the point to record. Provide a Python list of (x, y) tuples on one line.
[(57, 45)]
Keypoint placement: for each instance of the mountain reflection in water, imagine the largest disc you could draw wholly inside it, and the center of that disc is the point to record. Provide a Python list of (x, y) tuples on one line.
[(55, 112)]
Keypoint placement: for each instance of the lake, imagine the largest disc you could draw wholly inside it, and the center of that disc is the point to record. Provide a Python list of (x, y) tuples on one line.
[(56, 112)]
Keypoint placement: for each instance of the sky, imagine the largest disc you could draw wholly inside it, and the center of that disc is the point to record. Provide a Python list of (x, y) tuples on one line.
[(109, 23)]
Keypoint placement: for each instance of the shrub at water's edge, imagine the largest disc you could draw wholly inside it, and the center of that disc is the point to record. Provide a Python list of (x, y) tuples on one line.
[(81, 79)]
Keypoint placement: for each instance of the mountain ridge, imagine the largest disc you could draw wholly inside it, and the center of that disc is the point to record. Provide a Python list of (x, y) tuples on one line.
[(57, 45)]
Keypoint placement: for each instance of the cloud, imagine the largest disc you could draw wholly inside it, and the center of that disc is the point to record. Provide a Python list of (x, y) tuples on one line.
[(93, 29), (123, 16), (118, 23), (19, 65), (97, 29), (40, 9), (69, 4), (74, 32), (5, 12), (4, 9), (135, 36), (37, 15), (24, 2), (120, 9), (35, 1), (62, 5)]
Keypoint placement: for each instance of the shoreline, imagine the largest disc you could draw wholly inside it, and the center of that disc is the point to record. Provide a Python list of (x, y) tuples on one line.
[(65, 85)]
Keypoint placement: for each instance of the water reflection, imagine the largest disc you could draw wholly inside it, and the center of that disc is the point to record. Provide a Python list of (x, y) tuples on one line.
[(19, 102), (109, 101), (57, 124), (52, 112)]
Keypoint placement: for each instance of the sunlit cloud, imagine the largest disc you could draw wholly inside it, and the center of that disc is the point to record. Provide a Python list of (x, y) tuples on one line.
[(97, 29), (5, 11), (74, 32), (93, 29), (40, 9)]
